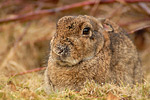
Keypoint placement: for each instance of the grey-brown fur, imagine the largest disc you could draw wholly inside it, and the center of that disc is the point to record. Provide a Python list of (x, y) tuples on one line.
[(105, 54)]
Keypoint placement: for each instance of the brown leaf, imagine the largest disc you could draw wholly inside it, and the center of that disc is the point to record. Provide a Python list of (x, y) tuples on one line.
[(126, 98), (112, 97), (12, 86)]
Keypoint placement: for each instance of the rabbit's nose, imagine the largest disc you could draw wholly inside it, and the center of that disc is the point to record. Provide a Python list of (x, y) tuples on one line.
[(62, 50)]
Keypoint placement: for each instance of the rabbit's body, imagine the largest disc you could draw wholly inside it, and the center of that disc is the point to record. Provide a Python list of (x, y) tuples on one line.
[(85, 48)]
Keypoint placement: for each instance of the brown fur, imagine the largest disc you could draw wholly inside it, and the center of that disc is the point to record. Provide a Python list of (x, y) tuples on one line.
[(106, 54)]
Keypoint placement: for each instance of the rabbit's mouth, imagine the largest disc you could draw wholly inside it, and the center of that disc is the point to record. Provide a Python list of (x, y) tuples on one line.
[(64, 60)]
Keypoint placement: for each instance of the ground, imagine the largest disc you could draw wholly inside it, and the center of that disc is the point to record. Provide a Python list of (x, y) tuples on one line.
[(30, 87)]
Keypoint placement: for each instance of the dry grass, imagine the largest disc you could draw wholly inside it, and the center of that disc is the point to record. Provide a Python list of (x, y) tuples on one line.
[(25, 46), (30, 87)]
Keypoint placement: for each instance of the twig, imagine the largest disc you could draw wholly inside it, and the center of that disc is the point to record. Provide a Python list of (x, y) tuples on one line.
[(145, 8), (95, 7), (44, 38), (140, 28), (40, 13), (9, 3), (12, 49), (21, 36), (115, 11), (29, 71), (135, 21)]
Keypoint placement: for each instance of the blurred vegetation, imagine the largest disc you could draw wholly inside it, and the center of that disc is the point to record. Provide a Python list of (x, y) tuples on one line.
[(25, 43)]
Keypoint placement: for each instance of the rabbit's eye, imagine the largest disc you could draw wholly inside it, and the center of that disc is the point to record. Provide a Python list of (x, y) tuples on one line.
[(86, 31)]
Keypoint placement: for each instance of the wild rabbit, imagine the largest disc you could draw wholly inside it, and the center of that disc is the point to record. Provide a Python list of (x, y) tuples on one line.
[(85, 48)]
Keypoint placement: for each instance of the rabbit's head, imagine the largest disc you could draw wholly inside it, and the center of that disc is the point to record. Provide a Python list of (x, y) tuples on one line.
[(77, 39)]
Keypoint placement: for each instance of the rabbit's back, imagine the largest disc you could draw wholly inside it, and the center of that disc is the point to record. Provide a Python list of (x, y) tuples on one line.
[(125, 65)]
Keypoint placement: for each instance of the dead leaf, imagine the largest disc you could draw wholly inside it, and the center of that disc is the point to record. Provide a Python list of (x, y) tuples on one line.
[(12, 86), (126, 98), (112, 97)]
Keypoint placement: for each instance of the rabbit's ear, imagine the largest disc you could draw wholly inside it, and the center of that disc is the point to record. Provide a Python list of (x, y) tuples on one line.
[(101, 21), (106, 26)]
